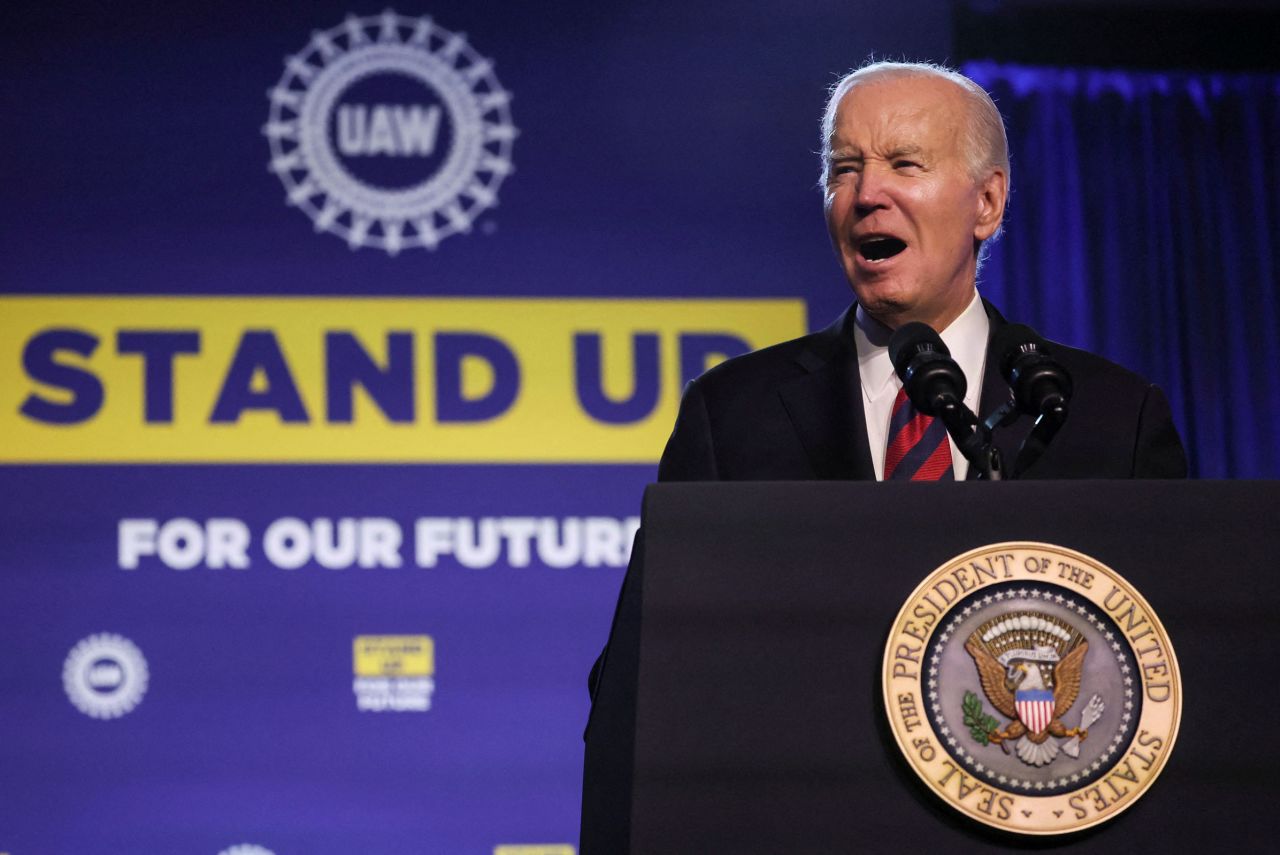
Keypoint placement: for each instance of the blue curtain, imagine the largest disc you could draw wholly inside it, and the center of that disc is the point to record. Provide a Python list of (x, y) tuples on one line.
[(1144, 225)]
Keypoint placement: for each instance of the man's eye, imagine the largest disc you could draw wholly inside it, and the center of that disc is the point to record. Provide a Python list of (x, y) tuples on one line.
[(904, 164)]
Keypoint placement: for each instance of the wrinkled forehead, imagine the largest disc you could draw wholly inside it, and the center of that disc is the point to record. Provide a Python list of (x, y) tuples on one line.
[(921, 113)]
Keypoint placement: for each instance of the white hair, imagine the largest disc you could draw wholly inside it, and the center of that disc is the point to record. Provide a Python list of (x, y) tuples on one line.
[(985, 145)]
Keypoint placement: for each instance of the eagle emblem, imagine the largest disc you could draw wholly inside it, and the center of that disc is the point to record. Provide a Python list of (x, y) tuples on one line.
[(1030, 665)]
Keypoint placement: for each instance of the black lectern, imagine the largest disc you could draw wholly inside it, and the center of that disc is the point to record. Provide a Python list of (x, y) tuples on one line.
[(738, 707)]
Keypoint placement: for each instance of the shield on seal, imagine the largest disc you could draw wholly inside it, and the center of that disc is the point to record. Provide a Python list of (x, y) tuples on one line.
[(1035, 708)]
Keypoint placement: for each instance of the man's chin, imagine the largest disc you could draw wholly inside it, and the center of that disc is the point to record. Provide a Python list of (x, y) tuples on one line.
[(891, 310), (894, 304), (888, 317)]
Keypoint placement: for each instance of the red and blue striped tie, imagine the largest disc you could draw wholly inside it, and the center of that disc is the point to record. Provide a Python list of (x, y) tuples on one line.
[(918, 449)]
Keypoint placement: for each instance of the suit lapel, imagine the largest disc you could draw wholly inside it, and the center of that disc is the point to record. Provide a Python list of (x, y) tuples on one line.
[(825, 406)]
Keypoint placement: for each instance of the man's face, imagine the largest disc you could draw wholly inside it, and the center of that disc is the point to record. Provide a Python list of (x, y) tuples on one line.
[(902, 208)]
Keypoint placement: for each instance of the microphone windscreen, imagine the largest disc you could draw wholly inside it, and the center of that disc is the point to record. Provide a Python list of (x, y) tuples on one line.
[(909, 340), (1013, 340)]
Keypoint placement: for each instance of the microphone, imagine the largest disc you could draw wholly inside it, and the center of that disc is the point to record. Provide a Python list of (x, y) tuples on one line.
[(934, 382), (936, 386), (1041, 387)]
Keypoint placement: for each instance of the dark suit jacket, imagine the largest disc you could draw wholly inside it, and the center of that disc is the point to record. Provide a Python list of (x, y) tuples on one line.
[(793, 412)]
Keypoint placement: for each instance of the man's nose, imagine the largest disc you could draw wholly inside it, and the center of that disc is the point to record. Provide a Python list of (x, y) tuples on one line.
[(870, 191)]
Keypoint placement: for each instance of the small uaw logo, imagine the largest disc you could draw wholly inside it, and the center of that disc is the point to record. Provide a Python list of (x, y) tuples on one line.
[(390, 132), (1032, 688), (246, 849), (105, 676)]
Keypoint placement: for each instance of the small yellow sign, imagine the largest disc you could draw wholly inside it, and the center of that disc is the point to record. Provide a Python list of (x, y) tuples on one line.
[(534, 849), (394, 656)]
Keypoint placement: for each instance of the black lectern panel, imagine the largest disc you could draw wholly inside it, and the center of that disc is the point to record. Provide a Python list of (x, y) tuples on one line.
[(739, 707)]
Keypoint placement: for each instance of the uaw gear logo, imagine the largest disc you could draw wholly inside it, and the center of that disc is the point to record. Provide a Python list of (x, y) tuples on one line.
[(1032, 688), (105, 676), (390, 132)]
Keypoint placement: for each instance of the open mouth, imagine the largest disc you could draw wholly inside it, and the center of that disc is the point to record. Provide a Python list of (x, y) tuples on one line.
[(880, 248)]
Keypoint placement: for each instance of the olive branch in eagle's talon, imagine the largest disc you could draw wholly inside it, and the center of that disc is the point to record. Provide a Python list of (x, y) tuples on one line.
[(982, 727)]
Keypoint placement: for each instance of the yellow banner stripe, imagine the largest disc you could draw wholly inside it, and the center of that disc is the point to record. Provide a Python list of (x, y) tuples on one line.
[(278, 379)]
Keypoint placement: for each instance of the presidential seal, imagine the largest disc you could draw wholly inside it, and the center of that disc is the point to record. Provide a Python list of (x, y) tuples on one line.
[(1032, 688), (390, 132)]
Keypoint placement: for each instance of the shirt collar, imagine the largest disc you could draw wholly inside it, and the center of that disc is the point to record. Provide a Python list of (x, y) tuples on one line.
[(965, 337)]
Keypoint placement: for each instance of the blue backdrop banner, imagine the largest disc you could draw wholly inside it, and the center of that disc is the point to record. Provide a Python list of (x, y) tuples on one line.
[(338, 345)]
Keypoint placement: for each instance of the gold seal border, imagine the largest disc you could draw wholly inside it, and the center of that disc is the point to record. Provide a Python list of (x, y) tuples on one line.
[(1127, 779)]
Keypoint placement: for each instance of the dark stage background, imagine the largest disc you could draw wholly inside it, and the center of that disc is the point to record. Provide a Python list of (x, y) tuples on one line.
[(309, 534)]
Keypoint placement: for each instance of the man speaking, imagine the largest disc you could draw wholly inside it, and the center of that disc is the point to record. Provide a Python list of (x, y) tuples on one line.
[(916, 177)]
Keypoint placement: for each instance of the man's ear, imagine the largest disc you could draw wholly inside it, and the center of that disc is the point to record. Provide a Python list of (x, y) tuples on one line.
[(992, 194)]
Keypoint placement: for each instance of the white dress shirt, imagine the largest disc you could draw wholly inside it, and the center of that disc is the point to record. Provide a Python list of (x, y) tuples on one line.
[(966, 338)]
